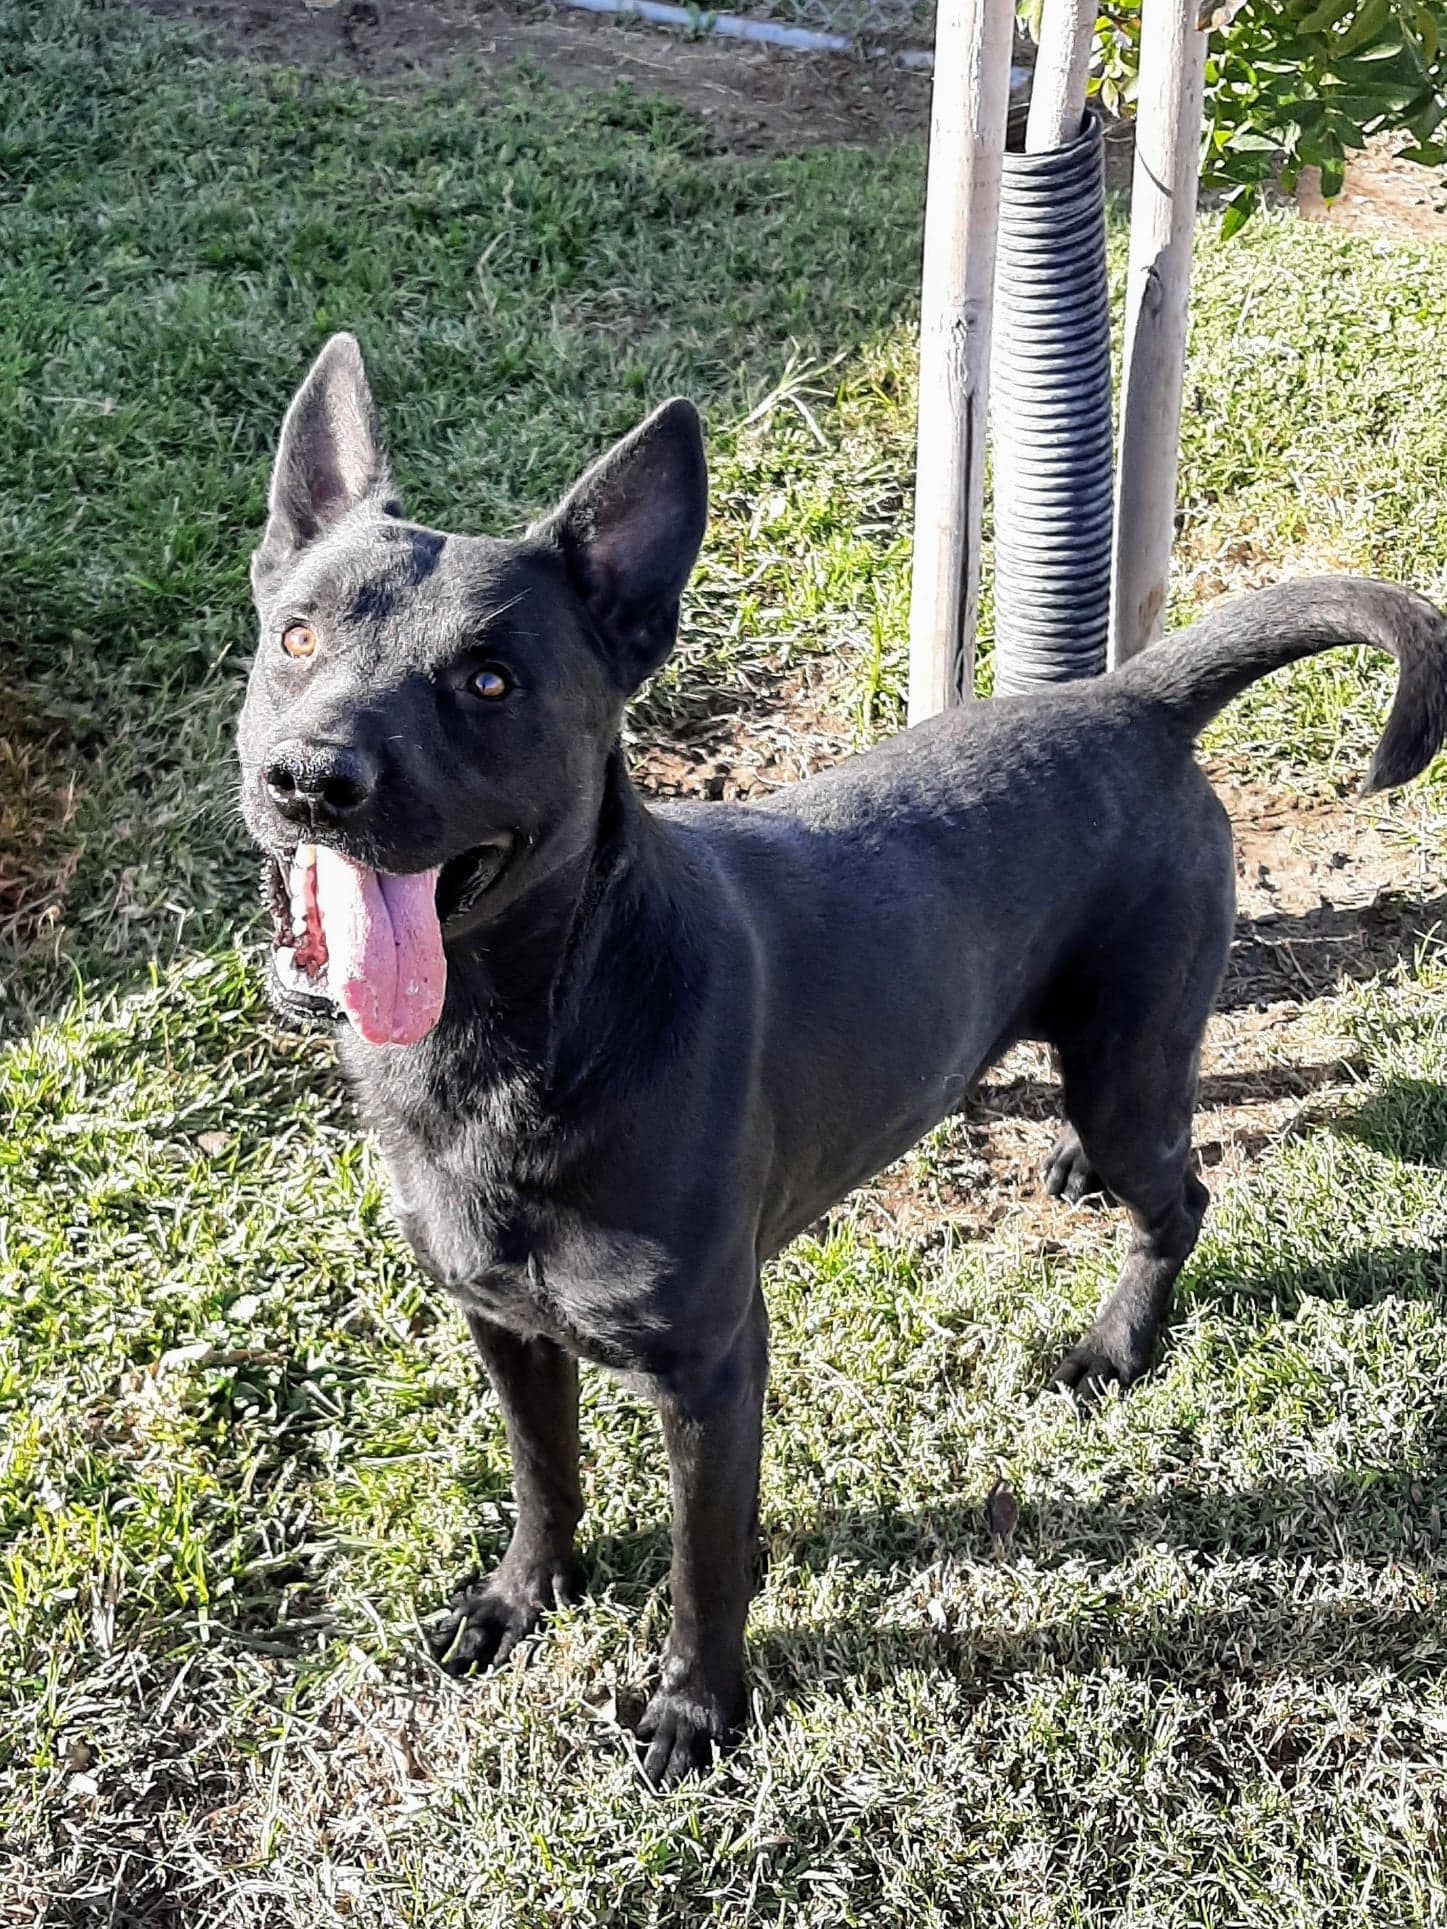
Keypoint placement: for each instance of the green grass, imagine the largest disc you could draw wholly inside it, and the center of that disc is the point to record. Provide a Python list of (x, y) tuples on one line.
[(242, 1449)]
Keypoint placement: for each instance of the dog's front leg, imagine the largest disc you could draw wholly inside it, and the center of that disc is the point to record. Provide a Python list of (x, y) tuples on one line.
[(712, 1427), (537, 1386)]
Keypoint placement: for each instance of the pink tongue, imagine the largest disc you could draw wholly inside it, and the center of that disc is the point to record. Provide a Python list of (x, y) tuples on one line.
[(385, 964)]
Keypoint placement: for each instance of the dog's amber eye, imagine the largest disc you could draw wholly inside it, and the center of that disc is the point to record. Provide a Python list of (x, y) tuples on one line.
[(299, 639), (489, 683)]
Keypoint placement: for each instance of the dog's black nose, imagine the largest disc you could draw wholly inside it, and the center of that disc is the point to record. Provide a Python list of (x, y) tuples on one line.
[(318, 783)]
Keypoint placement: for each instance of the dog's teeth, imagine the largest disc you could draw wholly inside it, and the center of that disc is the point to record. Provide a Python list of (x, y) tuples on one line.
[(298, 900), (292, 974), (301, 864)]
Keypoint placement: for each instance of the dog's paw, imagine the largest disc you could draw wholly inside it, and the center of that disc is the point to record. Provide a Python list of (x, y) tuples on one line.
[(1069, 1175), (685, 1731), (486, 1620), (1101, 1360)]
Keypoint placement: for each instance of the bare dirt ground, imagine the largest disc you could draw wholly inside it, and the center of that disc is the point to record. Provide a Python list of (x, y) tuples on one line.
[(756, 99), (1383, 194)]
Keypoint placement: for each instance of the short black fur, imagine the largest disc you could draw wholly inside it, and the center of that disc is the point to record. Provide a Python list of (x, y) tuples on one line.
[(674, 1036)]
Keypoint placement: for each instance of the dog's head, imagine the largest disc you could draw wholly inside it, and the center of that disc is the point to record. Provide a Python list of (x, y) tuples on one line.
[(429, 717)]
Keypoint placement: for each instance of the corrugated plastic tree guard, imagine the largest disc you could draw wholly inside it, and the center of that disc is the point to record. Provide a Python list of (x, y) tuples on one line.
[(1050, 418)]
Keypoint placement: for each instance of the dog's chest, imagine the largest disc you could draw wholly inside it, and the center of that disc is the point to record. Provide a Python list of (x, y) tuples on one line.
[(488, 1227)]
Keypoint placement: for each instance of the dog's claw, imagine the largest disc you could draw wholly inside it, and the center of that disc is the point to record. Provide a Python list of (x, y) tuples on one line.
[(1084, 1373), (1069, 1175), (684, 1732), (1096, 1364), (485, 1621)]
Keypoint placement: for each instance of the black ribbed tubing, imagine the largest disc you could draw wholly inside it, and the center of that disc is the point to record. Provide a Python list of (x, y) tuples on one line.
[(1050, 418)]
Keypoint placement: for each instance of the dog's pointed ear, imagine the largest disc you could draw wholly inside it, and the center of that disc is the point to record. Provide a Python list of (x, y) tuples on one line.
[(630, 530), (330, 457)]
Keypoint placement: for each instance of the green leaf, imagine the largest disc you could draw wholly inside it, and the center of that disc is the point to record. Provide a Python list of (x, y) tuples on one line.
[(1237, 213), (1424, 122), (1321, 18), (1391, 46), (1309, 79), (1375, 15), (1396, 98), (1319, 149)]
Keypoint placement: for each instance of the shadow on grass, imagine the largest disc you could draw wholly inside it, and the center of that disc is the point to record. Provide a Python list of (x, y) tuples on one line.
[(38, 847), (1306, 954), (1388, 1521), (1406, 1120), (1389, 1518), (1296, 958), (1039, 1098), (1224, 1653), (1386, 1513)]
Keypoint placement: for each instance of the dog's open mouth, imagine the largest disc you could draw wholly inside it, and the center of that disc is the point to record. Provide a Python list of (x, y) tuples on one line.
[(367, 944)]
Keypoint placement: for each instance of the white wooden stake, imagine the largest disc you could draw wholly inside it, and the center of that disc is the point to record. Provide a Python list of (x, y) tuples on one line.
[(1162, 216), (971, 97), (1062, 65)]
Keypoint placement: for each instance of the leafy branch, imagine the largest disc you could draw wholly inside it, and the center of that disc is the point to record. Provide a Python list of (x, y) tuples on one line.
[(1295, 83)]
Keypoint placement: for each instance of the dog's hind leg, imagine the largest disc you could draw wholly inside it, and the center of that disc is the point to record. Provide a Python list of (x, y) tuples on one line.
[(1121, 1343), (1129, 1047), (1068, 1174), (537, 1386)]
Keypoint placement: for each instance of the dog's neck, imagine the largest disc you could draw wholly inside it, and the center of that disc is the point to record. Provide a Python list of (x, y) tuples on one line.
[(520, 958), (570, 980)]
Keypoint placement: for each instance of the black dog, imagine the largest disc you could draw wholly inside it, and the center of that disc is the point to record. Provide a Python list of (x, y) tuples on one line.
[(616, 1057)]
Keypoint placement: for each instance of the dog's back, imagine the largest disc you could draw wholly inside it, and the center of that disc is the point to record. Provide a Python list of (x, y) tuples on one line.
[(916, 909)]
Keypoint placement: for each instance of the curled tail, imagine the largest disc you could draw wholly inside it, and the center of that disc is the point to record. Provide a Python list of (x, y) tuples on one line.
[(1196, 672)]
